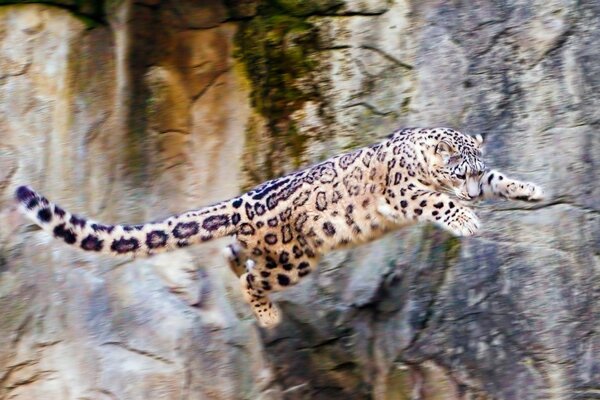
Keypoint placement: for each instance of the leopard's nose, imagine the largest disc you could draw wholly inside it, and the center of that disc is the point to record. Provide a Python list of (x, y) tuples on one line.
[(473, 187)]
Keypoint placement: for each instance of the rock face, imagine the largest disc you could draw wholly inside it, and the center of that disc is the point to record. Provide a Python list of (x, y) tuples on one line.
[(130, 111)]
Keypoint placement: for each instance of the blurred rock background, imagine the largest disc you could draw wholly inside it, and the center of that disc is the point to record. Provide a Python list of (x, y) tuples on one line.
[(133, 110)]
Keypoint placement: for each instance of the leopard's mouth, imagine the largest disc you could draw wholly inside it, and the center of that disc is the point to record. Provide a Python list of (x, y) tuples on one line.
[(473, 185), (469, 188)]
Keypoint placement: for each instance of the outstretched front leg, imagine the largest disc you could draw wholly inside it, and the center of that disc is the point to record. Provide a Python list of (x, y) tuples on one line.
[(493, 184), (429, 206)]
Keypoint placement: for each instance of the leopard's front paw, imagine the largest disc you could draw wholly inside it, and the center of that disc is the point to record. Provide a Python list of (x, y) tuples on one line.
[(268, 316), (463, 223), (529, 192)]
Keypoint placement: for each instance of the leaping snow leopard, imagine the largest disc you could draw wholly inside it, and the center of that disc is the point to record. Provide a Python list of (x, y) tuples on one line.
[(285, 225)]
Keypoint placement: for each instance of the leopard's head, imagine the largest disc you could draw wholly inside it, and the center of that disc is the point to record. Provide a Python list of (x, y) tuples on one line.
[(455, 162)]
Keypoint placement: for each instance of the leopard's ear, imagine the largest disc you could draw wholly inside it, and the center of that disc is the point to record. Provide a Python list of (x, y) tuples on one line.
[(444, 150), (479, 140), (443, 147), (480, 144)]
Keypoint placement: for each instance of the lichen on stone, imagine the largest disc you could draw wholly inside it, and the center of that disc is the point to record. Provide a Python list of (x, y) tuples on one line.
[(277, 48)]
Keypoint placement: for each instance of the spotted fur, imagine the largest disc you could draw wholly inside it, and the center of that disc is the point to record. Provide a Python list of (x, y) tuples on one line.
[(285, 225)]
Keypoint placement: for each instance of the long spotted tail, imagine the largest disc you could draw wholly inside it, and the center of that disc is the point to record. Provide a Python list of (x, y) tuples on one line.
[(174, 232)]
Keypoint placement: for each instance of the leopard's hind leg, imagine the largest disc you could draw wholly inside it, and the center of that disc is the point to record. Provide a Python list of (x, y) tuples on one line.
[(256, 294), (268, 275), (237, 257)]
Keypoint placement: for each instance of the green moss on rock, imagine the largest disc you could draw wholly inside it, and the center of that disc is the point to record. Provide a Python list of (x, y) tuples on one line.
[(452, 249), (277, 48), (308, 7)]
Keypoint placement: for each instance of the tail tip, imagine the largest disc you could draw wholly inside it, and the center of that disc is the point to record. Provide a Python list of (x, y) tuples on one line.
[(24, 194)]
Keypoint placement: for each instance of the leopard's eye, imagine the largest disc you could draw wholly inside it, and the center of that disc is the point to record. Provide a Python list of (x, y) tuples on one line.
[(454, 158)]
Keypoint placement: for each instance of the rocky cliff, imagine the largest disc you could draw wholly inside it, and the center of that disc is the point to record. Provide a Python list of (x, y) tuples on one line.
[(128, 111)]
